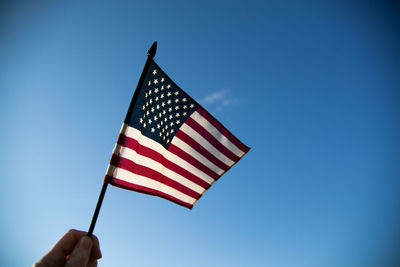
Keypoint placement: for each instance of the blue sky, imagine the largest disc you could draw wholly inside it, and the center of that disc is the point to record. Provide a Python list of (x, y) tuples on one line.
[(311, 86)]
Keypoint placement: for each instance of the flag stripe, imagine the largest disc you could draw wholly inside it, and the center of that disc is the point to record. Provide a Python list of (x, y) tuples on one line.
[(211, 139), (196, 146), (157, 166), (140, 180), (144, 171), (214, 132), (196, 155), (204, 143), (154, 155), (222, 129), (150, 191), (182, 154), (177, 161)]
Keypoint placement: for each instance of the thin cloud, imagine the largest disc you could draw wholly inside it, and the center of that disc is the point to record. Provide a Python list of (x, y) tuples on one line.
[(215, 96), (219, 99)]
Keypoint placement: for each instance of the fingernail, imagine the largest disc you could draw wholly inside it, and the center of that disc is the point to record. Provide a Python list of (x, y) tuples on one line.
[(86, 242)]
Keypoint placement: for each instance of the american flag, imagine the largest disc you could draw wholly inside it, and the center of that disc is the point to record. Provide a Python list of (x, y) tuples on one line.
[(169, 146)]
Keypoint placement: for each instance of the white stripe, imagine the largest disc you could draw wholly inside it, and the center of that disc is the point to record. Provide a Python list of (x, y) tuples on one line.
[(145, 141), (217, 134), (204, 143), (132, 155), (150, 183), (188, 149)]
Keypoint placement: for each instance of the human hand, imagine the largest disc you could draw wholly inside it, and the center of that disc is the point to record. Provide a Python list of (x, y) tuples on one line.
[(74, 249)]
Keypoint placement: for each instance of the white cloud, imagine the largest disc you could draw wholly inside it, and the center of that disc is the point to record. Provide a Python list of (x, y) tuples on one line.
[(219, 99), (215, 96)]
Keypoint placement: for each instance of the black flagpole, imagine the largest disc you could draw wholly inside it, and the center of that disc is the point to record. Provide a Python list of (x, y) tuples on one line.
[(150, 55)]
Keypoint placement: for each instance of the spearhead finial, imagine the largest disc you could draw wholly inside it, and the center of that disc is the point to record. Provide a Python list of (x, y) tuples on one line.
[(152, 51)]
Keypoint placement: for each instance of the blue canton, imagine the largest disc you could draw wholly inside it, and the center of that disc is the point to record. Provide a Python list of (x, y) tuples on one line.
[(161, 107)]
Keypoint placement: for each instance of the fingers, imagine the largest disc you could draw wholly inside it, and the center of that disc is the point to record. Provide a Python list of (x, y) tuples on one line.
[(81, 254), (70, 242), (92, 263), (96, 253), (59, 252)]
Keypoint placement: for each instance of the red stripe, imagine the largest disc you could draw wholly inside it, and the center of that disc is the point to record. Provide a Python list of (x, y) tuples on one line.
[(135, 168), (154, 155), (196, 146), (145, 190), (222, 129), (211, 139), (183, 155)]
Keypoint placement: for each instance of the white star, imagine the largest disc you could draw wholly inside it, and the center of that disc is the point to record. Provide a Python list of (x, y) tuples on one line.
[(176, 107), (171, 124), (155, 81), (145, 95), (163, 104), (184, 113), (147, 113), (169, 94), (149, 83), (156, 90), (147, 104), (155, 118), (150, 92), (150, 121), (191, 105), (151, 101), (168, 86), (144, 125), (165, 119), (166, 126), (176, 93), (176, 100), (162, 87), (143, 107), (163, 137), (141, 120), (152, 130), (184, 99), (158, 125), (158, 107), (170, 116), (184, 107), (159, 114), (156, 98), (177, 115), (152, 110), (160, 134), (163, 112), (172, 130), (161, 122), (154, 72), (167, 140), (162, 96), (178, 121), (169, 101), (162, 79), (170, 109), (167, 134)]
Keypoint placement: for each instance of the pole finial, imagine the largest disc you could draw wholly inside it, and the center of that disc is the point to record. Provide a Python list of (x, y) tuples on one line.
[(152, 51)]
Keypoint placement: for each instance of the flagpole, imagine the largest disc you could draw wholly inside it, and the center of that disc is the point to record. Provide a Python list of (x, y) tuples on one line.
[(150, 55)]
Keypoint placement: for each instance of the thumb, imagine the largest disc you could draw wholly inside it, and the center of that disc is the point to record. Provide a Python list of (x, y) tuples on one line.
[(81, 254)]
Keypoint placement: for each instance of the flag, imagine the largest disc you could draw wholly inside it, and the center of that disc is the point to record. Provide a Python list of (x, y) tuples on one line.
[(169, 146)]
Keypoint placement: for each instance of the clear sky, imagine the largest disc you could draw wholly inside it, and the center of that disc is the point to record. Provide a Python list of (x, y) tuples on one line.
[(311, 86)]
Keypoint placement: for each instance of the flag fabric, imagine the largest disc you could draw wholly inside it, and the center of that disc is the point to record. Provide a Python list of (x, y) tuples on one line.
[(169, 146)]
